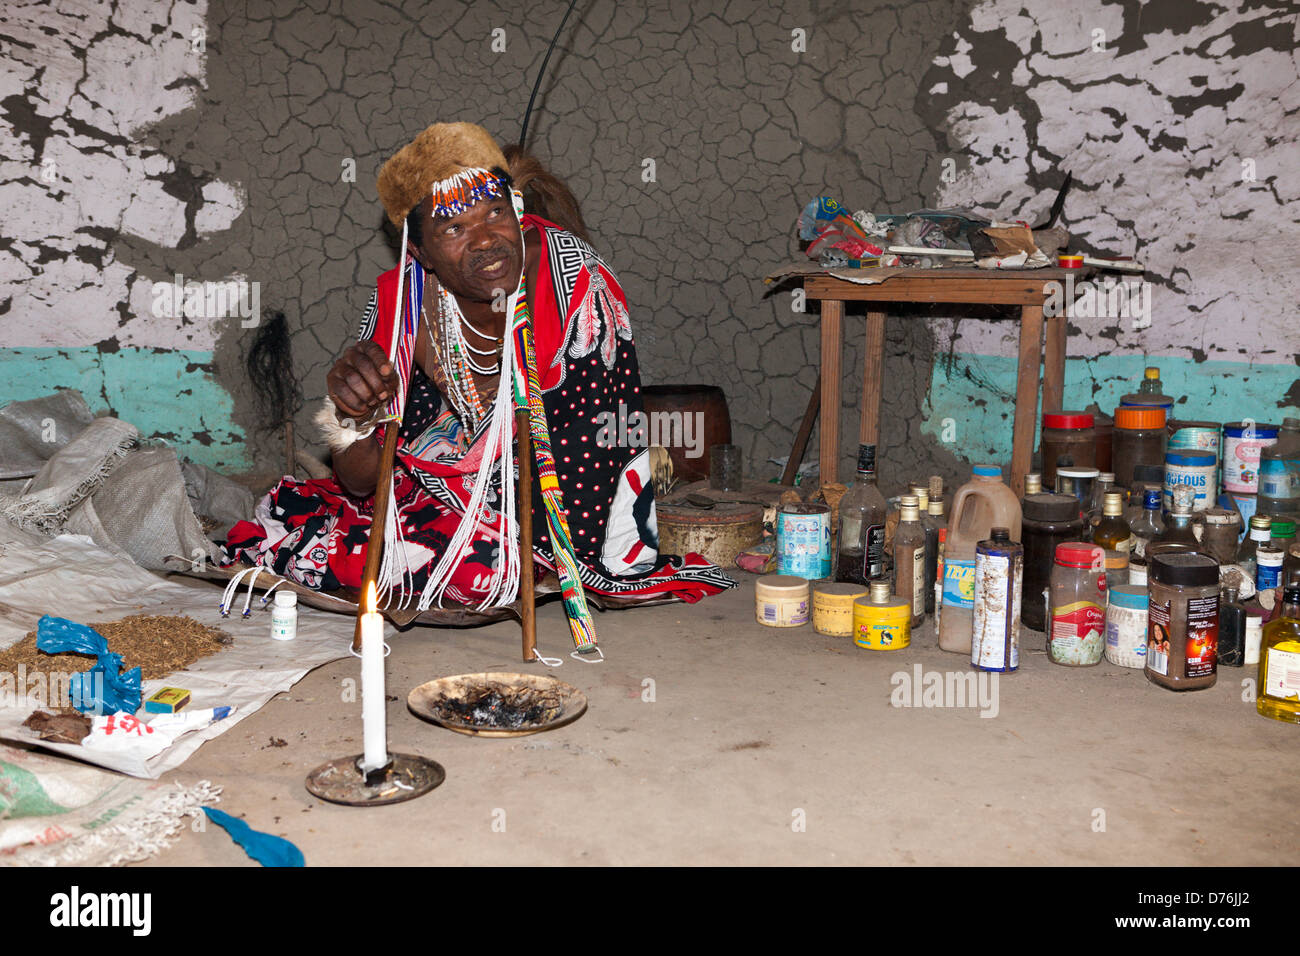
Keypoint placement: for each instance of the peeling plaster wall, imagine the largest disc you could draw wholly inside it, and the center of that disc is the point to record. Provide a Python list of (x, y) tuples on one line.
[(1178, 119), (85, 185), (235, 162)]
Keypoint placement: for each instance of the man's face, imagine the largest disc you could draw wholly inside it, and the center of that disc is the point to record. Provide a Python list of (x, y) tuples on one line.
[(477, 253)]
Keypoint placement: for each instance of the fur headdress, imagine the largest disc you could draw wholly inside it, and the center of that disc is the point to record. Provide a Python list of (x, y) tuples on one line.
[(452, 159)]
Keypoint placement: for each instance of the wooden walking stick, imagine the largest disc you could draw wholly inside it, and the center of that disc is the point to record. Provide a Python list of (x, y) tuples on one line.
[(375, 542), (528, 614)]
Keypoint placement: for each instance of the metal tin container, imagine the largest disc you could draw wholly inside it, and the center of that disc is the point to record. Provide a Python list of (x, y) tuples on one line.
[(1195, 436), (999, 580), (1195, 469), (833, 608), (719, 533), (1242, 443), (803, 539)]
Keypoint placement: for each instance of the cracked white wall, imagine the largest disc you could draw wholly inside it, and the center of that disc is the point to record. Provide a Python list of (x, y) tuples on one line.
[(1178, 122), (82, 87), (235, 162)]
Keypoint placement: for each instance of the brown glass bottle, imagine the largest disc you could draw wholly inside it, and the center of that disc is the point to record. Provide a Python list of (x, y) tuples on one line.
[(909, 558), (1113, 532)]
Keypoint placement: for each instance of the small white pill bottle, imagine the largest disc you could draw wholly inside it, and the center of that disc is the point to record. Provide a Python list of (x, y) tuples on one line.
[(284, 616)]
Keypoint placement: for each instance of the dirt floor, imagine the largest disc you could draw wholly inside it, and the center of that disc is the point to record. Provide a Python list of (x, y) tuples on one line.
[(713, 739)]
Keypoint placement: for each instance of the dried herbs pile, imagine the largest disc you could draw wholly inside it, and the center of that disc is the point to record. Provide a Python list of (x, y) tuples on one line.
[(158, 644)]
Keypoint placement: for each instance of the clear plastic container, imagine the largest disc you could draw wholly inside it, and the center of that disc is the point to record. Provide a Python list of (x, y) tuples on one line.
[(979, 506), (1279, 473)]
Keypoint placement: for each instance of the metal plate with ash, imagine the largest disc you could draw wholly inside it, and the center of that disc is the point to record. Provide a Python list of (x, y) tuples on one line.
[(407, 777), (498, 704)]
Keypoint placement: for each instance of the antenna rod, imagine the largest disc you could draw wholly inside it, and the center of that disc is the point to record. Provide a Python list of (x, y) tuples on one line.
[(523, 135)]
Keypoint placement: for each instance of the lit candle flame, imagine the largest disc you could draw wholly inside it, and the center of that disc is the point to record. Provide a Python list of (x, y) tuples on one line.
[(371, 599)]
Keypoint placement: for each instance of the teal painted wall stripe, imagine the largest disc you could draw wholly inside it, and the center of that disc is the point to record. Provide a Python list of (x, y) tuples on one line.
[(971, 407), (166, 394)]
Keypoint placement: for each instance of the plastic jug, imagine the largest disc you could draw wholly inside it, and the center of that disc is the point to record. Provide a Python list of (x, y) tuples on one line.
[(979, 506)]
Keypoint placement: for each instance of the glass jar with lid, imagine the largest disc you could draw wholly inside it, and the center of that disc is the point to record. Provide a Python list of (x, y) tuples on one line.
[(1220, 532), (1139, 439), (1183, 621), (1076, 612), (1067, 435), (1047, 521), (1077, 482)]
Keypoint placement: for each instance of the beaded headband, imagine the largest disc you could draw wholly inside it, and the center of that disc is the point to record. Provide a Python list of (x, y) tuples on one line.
[(455, 194)]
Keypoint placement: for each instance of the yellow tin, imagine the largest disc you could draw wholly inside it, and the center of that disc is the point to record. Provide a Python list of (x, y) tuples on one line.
[(881, 622), (833, 608)]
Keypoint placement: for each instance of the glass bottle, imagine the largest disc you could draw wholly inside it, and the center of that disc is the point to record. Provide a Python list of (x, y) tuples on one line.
[(909, 558), (1112, 531), (936, 488), (1148, 525), (1278, 688), (1232, 629), (922, 493), (1104, 484), (861, 541), (1261, 529), (1178, 523), (935, 525)]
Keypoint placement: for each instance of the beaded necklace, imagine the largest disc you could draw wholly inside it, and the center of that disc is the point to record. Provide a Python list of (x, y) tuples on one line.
[(456, 361)]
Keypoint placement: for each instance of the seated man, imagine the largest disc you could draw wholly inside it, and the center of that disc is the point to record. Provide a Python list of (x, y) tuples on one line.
[(562, 338)]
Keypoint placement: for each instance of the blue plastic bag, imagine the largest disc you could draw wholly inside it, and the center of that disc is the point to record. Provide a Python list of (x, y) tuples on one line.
[(102, 689), (265, 848)]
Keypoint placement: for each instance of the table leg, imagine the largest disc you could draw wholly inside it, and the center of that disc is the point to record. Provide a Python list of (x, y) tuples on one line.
[(832, 348), (873, 373), (1054, 365), (1027, 371)]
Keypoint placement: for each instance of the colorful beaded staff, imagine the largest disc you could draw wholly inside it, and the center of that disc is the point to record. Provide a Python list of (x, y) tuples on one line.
[(575, 599)]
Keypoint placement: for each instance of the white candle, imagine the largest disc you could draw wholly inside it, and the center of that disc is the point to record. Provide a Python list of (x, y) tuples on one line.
[(374, 721)]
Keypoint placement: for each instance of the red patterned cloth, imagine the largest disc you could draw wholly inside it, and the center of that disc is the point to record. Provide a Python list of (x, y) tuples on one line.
[(315, 533)]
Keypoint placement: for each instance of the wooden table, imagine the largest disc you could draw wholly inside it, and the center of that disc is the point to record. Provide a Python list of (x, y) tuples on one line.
[(1021, 287)]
